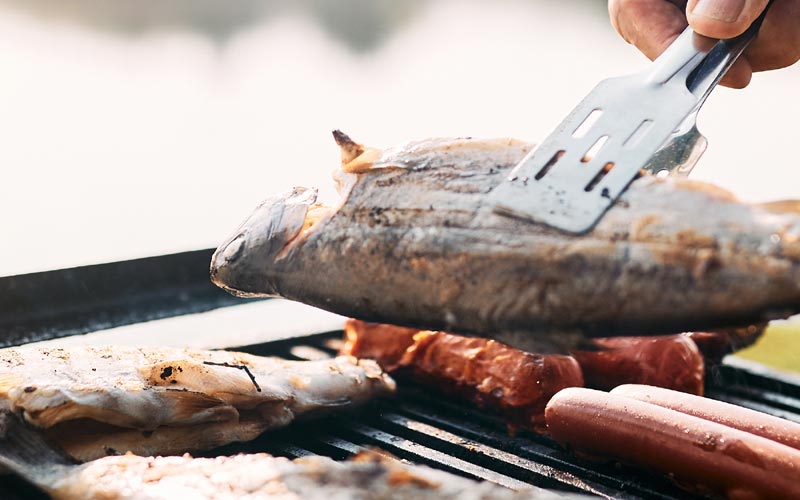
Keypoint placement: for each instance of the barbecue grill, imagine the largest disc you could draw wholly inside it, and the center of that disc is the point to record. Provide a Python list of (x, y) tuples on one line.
[(415, 425)]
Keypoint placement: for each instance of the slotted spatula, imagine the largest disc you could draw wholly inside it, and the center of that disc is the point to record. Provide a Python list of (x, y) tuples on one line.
[(626, 124)]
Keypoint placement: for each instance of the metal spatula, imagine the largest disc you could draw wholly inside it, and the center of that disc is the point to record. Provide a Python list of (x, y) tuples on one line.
[(626, 124)]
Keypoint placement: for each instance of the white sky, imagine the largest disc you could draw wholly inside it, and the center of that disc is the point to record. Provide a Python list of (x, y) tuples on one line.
[(116, 147)]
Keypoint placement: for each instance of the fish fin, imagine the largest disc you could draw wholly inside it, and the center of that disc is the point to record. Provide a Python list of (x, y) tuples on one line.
[(350, 148), (356, 158), (190, 407), (28, 453), (9, 381), (781, 206)]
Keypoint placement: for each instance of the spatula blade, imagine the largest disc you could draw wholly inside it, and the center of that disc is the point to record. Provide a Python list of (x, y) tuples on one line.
[(625, 125), (578, 172)]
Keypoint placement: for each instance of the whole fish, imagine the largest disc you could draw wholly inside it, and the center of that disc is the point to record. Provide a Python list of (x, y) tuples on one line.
[(97, 401), (413, 241)]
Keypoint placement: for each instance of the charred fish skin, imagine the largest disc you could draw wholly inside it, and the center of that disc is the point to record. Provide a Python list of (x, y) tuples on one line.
[(414, 243)]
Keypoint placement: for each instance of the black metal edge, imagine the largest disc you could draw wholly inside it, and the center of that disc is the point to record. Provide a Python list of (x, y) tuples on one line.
[(759, 373), (53, 304)]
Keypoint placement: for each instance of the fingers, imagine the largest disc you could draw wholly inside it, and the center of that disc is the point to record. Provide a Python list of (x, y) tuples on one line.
[(739, 75), (723, 18), (650, 25), (778, 41)]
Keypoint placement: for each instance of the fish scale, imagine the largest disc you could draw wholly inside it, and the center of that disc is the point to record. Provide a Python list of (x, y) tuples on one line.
[(626, 125)]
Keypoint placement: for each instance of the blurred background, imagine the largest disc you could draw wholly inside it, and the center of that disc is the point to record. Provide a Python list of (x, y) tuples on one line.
[(140, 128)]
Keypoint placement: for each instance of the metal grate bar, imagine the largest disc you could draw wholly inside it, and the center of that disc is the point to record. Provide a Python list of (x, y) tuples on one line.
[(738, 373), (342, 445), (406, 448), (764, 398), (487, 456), (599, 478), (755, 405)]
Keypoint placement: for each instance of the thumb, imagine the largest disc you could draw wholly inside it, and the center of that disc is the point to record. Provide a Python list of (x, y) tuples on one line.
[(723, 18)]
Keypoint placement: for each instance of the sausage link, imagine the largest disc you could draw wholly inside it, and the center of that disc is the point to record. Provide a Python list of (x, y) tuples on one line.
[(672, 361), (708, 456), (774, 428), (489, 374)]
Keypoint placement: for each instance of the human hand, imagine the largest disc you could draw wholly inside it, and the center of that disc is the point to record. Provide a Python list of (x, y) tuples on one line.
[(651, 25)]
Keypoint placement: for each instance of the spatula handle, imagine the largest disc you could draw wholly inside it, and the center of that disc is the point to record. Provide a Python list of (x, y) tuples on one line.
[(699, 62)]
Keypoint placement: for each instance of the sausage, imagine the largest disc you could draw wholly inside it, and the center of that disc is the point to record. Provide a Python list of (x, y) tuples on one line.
[(489, 374), (707, 456), (386, 344), (715, 345), (672, 361), (774, 428)]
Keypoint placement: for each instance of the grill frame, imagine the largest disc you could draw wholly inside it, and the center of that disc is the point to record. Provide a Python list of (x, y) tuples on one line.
[(414, 425)]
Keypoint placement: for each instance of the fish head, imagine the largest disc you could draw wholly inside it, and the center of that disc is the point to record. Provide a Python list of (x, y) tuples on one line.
[(246, 264)]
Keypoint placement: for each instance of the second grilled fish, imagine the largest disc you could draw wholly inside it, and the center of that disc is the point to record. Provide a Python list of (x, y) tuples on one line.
[(96, 401), (414, 242)]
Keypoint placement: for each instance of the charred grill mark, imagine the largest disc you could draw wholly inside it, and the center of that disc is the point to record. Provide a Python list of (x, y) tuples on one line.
[(375, 217), (239, 367), (409, 218)]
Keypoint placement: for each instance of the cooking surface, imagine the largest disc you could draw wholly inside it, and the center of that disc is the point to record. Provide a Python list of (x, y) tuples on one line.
[(415, 425), (422, 427)]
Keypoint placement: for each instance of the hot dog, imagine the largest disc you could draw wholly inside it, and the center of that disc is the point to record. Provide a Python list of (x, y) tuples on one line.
[(754, 422), (710, 457)]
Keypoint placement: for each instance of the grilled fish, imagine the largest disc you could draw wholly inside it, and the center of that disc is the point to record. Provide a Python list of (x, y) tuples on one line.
[(414, 242), (369, 475), (96, 401), (260, 476)]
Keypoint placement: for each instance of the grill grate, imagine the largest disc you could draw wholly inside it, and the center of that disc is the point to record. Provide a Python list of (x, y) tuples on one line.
[(420, 427), (415, 425)]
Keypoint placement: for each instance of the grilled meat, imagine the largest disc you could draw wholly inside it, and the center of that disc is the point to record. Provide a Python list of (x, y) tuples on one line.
[(487, 373), (414, 242), (761, 424), (699, 450), (95, 401), (671, 361), (261, 476), (519, 384), (367, 476)]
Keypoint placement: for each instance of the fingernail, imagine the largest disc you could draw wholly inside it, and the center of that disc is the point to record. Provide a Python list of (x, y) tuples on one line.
[(727, 11)]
